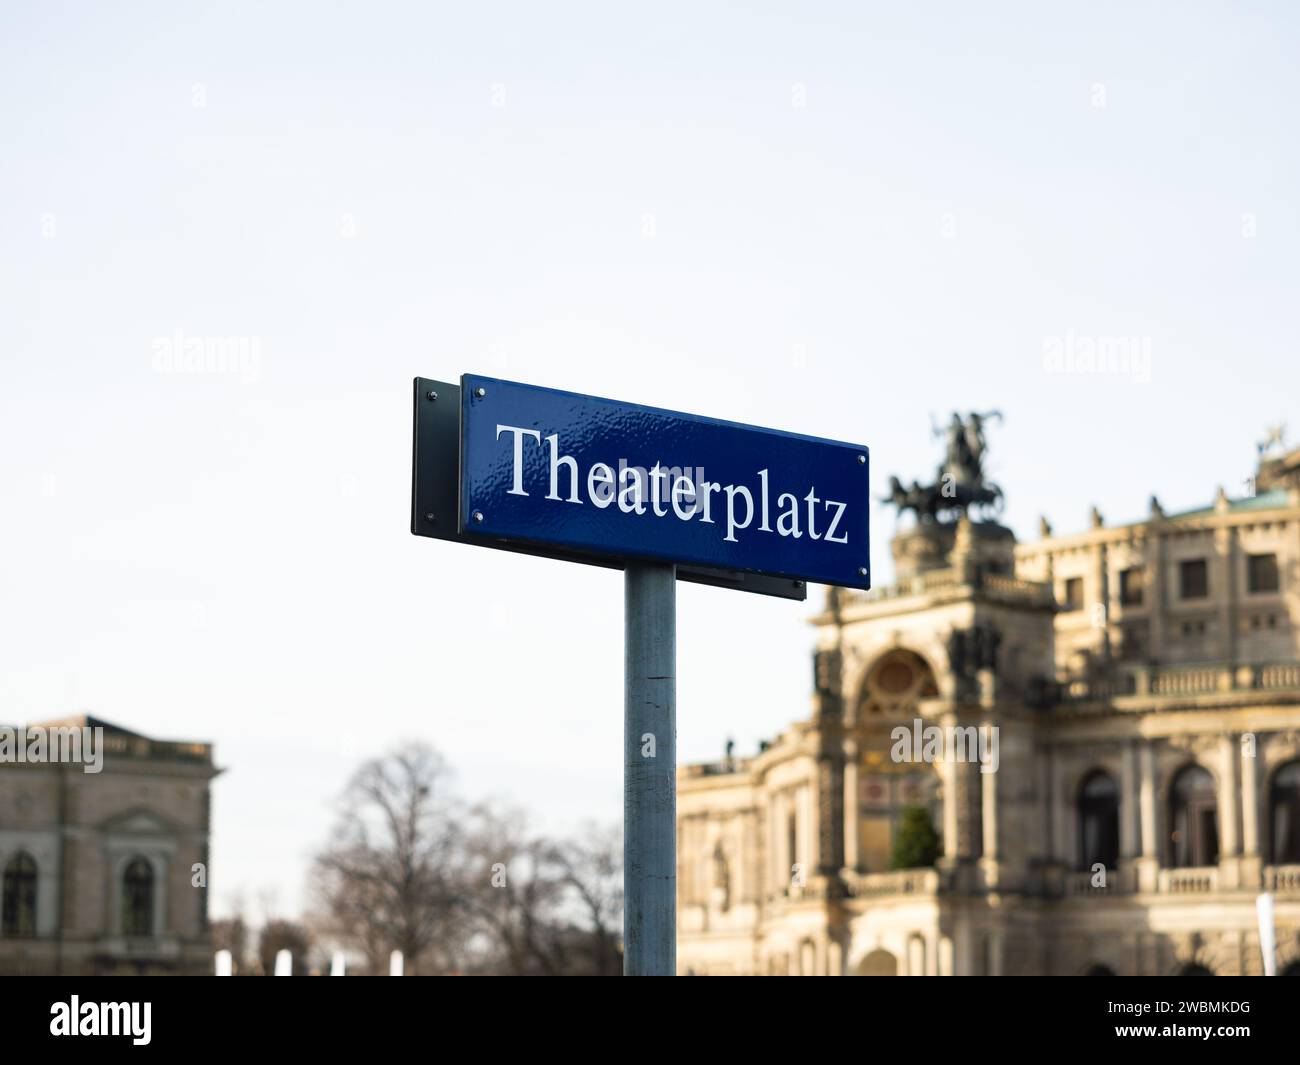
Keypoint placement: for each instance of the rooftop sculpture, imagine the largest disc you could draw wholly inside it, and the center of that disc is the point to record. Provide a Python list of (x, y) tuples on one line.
[(960, 484)]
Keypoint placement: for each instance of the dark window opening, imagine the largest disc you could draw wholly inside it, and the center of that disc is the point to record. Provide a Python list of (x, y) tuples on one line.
[(1193, 819), (1099, 821), (137, 898), (1284, 805), (1131, 585), (1193, 579), (1133, 642), (19, 904), (1262, 574)]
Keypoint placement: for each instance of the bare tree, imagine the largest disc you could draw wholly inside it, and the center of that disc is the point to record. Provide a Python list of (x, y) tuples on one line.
[(392, 876), (514, 895), (593, 872), (455, 888), (544, 907), (278, 935)]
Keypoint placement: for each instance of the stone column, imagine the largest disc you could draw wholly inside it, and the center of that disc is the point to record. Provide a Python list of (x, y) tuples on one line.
[(783, 837), (1228, 796), (1046, 846), (780, 873), (946, 957), (915, 956), (1060, 812), (995, 960), (1103, 597), (851, 819), (1129, 826), (768, 830), (989, 812), (951, 804), (1149, 863), (964, 941), (1155, 590), (1226, 550), (1252, 860), (828, 813), (808, 833), (1147, 798)]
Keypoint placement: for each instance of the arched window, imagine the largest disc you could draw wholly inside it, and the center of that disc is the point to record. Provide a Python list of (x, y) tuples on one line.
[(137, 898), (890, 785), (19, 916), (1099, 821), (916, 955), (1284, 803), (1193, 819)]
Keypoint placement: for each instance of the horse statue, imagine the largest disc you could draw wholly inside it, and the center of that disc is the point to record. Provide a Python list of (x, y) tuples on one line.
[(959, 483)]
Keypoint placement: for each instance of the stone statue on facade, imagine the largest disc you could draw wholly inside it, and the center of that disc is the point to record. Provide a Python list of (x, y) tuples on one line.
[(721, 879), (973, 649)]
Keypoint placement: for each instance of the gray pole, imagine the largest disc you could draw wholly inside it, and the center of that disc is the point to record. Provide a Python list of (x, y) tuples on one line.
[(650, 770)]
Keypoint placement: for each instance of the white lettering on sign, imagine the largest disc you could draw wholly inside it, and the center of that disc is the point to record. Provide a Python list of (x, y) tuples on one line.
[(517, 489), (666, 490)]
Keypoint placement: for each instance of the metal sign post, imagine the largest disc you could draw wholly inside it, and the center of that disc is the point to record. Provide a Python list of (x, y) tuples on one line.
[(649, 770), (665, 497)]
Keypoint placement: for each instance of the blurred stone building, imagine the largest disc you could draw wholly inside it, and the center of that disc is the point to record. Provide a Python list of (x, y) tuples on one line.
[(106, 872), (1144, 681)]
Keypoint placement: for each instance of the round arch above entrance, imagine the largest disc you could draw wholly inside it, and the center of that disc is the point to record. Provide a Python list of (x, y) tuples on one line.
[(893, 685)]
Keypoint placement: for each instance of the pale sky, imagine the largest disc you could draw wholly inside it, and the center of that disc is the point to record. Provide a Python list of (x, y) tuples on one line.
[(833, 219)]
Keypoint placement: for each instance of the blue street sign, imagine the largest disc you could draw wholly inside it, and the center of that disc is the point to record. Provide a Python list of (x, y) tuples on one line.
[(618, 480)]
